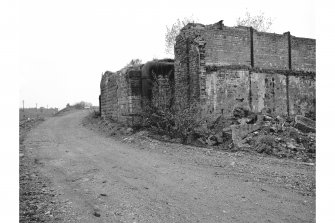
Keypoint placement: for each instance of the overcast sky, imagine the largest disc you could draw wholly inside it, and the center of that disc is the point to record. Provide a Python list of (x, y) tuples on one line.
[(65, 46)]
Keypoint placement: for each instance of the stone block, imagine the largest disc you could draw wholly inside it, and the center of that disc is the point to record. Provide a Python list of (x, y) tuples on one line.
[(304, 124), (239, 132)]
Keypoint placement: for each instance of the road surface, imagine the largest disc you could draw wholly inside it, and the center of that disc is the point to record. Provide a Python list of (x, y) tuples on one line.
[(106, 180)]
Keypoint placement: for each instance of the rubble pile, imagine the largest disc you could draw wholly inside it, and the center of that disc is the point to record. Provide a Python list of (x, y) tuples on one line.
[(29, 122), (283, 137)]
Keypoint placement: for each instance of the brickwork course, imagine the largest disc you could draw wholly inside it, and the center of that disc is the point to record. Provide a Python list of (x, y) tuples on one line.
[(220, 68)]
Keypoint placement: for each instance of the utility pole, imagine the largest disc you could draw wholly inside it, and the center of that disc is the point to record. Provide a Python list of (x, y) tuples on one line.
[(24, 116), (36, 111)]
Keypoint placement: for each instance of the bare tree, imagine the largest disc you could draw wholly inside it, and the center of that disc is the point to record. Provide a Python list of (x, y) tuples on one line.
[(134, 62), (173, 31), (258, 21)]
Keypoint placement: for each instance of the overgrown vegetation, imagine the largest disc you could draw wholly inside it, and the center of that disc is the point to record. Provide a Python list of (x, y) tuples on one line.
[(33, 113), (82, 105), (183, 120), (78, 105), (173, 31), (258, 21), (172, 121), (134, 62)]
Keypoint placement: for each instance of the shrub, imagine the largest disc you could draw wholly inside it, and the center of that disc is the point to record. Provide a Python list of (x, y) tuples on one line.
[(82, 105), (173, 121), (79, 105)]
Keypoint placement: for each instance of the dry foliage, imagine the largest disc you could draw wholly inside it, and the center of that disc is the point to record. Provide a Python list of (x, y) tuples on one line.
[(177, 122), (258, 22), (173, 31)]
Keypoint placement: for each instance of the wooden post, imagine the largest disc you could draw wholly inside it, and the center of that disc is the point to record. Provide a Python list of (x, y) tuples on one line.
[(23, 109)]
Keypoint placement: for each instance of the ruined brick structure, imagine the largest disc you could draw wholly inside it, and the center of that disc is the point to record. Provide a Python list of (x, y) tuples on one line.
[(124, 92), (121, 94), (223, 67), (220, 68), (158, 82)]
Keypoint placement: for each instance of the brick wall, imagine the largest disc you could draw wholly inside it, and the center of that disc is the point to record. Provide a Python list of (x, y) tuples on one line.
[(162, 92), (227, 45), (270, 50), (182, 69), (122, 93), (235, 46), (303, 54), (223, 67), (156, 74), (104, 93)]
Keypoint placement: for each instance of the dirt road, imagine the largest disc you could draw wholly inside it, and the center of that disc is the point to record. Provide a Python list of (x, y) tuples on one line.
[(106, 180)]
